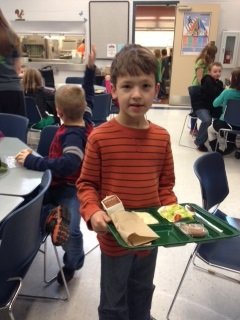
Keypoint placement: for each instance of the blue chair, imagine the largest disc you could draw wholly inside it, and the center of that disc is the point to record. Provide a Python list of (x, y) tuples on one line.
[(101, 110), (32, 111), (222, 254), (232, 117), (21, 238), (45, 140), (194, 94), (74, 80), (13, 125)]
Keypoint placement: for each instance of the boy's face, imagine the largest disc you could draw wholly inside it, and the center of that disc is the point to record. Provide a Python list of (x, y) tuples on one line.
[(135, 95), (215, 72)]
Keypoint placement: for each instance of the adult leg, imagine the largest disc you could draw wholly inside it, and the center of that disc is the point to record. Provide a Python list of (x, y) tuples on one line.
[(206, 120), (141, 287)]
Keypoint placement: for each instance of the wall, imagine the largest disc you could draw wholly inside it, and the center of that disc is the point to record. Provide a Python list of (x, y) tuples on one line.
[(68, 10)]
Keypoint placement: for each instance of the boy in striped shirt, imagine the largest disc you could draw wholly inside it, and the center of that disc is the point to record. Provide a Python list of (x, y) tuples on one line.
[(130, 157)]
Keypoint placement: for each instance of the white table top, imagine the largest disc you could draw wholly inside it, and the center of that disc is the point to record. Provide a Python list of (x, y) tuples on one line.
[(17, 181), (8, 204)]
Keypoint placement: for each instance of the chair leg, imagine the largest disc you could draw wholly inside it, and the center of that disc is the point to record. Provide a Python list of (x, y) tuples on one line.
[(214, 272), (180, 138), (9, 305), (50, 281), (181, 282)]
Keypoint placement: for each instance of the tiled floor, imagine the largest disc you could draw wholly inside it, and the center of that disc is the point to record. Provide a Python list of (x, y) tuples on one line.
[(202, 296)]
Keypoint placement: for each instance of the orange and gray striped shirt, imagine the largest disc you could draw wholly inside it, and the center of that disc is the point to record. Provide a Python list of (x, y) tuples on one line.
[(134, 164)]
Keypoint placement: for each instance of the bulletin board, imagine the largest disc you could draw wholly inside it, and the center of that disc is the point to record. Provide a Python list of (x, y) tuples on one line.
[(108, 27)]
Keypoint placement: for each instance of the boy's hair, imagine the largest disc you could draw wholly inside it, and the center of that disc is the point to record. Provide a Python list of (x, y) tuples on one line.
[(157, 53), (208, 53), (71, 101), (235, 79), (9, 40), (214, 64), (133, 60), (32, 80), (164, 52)]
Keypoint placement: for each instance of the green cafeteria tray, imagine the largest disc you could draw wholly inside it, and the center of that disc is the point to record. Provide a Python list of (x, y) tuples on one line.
[(171, 235)]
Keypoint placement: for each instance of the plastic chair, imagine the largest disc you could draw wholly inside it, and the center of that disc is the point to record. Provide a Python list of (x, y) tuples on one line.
[(219, 255), (13, 125), (20, 241), (194, 92), (232, 117), (48, 76), (75, 80), (32, 111), (45, 140), (101, 109)]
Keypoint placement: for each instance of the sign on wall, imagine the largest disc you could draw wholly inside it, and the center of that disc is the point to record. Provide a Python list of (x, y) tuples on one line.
[(195, 32)]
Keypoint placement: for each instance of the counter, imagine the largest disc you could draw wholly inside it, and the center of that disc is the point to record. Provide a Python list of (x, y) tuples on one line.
[(57, 64), (62, 68)]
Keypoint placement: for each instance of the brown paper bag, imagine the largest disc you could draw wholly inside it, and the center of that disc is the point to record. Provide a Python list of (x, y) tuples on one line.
[(132, 228)]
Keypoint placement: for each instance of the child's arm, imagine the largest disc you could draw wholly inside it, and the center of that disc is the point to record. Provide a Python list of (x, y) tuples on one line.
[(167, 179), (219, 101), (66, 164), (88, 84)]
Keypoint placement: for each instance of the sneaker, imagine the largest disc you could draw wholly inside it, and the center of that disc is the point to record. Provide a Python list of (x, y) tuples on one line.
[(202, 148), (68, 273), (57, 224), (194, 132)]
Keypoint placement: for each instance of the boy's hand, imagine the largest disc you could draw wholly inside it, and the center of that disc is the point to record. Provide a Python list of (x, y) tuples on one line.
[(99, 221), (22, 155), (92, 57)]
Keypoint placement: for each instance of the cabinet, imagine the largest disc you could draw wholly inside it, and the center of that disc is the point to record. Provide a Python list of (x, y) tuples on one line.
[(229, 49)]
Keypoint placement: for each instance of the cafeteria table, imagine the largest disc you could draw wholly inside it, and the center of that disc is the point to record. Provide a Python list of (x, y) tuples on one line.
[(17, 180), (8, 204)]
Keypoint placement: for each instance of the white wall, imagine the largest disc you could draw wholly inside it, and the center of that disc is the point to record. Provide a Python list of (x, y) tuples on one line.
[(68, 10)]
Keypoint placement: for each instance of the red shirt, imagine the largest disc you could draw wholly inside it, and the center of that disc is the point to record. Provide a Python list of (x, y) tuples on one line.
[(134, 164)]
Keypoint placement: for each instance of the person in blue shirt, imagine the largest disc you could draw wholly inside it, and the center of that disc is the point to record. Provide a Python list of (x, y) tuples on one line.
[(65, 160), (231, 93)]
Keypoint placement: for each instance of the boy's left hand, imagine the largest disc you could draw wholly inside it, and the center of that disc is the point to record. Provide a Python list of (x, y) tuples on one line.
[(22, 155)]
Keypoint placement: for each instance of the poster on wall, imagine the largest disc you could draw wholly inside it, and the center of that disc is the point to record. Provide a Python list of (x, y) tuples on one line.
[(111, 50), (195, 32)]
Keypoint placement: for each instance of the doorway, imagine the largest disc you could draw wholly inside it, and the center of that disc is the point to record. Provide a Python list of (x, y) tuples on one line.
[(154, 27)]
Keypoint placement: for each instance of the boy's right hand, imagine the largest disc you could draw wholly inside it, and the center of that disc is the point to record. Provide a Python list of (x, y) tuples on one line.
[(99, 221), (92, 57), (22, 155)]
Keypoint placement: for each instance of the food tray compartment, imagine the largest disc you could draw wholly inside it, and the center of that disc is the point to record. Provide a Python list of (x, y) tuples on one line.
[(171, 235)]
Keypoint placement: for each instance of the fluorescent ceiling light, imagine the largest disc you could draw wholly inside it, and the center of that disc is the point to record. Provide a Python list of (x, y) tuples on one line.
[(166, 18), (146, 18)]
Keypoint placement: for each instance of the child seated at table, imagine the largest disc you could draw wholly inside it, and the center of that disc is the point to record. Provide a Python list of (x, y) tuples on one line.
[(33, 86), (65, 160), (202, 102), (220, 103)]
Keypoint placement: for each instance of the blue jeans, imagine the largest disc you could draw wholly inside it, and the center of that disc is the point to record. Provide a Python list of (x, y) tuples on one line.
[(127, 286), (206, 120), (67, 195)]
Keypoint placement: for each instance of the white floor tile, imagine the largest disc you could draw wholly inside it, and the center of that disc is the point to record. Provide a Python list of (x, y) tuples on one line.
[(202, 296)]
